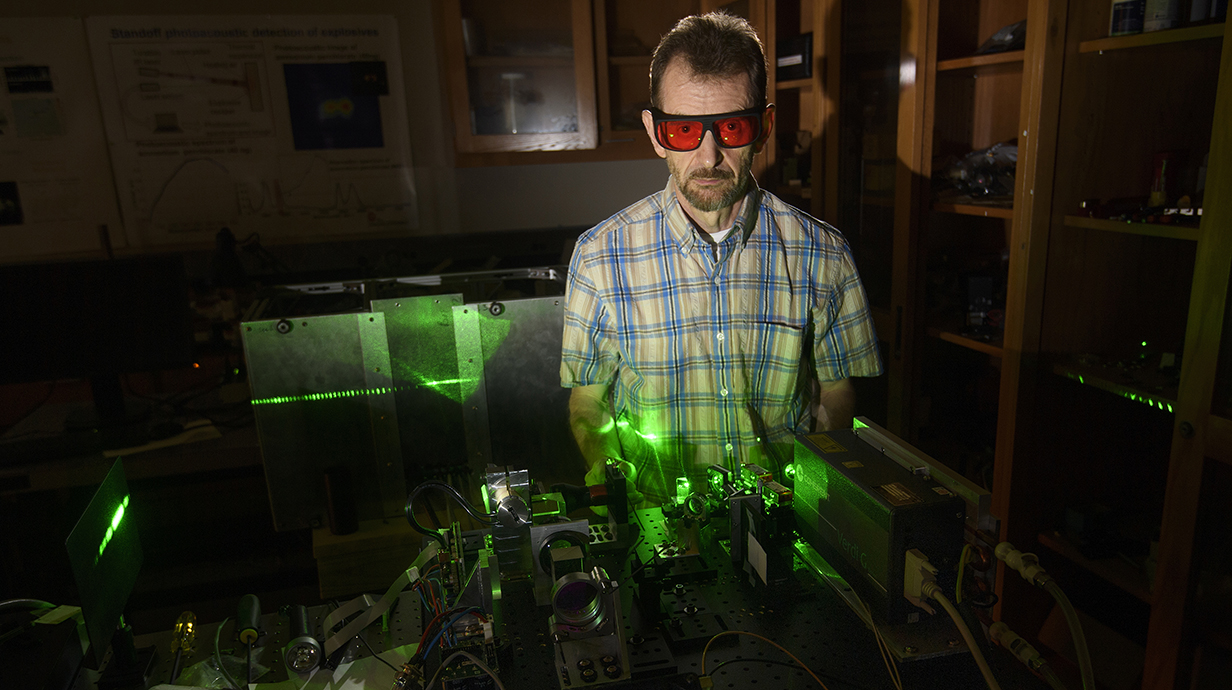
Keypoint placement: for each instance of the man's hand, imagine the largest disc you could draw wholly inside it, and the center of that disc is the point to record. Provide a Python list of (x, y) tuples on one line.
[(836, 404), (597, 474)]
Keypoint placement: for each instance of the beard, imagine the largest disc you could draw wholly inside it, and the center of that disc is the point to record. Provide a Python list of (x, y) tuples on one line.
[(714, 198)]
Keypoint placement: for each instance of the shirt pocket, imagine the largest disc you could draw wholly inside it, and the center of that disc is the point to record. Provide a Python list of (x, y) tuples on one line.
[(772, 353)]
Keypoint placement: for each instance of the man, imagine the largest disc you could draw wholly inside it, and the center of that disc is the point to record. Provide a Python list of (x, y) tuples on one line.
[(697, 317)]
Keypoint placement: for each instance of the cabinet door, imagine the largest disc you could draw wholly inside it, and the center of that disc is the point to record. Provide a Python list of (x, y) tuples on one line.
[(960, 115), (1114, 428), (1193, 584), (520, 74), (866, 156), (626, 34)]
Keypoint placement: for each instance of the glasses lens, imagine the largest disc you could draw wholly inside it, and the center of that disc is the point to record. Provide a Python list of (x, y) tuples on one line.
[(680, 135), (737, 131)]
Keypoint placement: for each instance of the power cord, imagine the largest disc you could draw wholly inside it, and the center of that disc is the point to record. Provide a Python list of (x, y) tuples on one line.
[(1027, 565), (920, 586), (1024, 652)]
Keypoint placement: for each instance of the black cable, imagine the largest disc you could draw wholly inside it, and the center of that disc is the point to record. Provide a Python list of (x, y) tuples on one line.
[(448, 490), (990, 602), (484, 518), (787, 664), (374, 655), (25, 604)]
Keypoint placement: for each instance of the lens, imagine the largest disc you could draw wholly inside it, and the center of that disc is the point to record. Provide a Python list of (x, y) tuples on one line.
[(681, 135), (737, 131), (577, 601)]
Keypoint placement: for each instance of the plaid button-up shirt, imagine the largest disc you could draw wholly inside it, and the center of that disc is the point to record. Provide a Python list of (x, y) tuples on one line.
[(709, 349)]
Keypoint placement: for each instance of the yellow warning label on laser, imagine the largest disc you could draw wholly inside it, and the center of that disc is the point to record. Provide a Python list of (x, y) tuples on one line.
[(852, 464), (826, 444)]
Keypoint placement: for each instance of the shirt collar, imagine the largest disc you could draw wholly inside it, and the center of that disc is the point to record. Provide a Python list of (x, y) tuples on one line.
[(681, 227)]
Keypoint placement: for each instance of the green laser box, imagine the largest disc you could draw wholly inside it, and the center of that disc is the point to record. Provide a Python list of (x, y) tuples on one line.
[(862, 511)]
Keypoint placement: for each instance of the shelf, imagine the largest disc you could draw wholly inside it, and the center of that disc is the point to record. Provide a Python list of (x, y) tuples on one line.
[(975, 210), (1178, 232), (990, 349), (628, 60), (519, 61), (980, 60), (803, 84), (1114, 570), (1189, 33), (1099, 377)]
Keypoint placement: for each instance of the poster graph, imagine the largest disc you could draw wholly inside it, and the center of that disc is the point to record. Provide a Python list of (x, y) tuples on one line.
[(292, 127)]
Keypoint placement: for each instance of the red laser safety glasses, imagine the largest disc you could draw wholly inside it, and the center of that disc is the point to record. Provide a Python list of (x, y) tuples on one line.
[(685, 132)]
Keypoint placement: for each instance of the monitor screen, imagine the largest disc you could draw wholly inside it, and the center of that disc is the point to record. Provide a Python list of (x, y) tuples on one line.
[(105, 554)]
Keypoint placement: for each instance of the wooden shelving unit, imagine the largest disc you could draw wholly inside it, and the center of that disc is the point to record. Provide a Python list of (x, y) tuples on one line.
[(1072, 99), (959, 102), (980, 60), (1178, 232), (1161, 397), (1100, 286), (988, 348), (1125, 576), (976, 210), (1154, 38), (795, 84)]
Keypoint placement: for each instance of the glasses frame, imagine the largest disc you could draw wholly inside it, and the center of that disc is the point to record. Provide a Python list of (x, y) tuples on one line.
[(708, 123)]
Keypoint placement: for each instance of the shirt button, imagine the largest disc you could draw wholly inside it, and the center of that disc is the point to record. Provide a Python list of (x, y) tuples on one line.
[(729, 448), (724, 392), (719, 336), (716, 281)]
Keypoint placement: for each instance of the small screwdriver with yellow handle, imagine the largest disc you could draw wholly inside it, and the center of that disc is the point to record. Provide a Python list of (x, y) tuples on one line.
[(182, 638), (247, 622)]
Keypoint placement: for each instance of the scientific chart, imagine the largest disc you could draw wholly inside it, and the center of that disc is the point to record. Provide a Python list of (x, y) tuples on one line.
[(282, 126), (56, 193)]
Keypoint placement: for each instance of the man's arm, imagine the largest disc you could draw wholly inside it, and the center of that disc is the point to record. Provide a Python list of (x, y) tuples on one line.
[(836, 404), (593, 428)]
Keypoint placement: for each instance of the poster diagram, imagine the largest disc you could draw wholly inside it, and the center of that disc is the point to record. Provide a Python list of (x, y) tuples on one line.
[(206, 90), (282, 126), (56, 191)]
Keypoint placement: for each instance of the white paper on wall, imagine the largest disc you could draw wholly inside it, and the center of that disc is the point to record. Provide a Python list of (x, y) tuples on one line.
[(290, 127), (55, 181)]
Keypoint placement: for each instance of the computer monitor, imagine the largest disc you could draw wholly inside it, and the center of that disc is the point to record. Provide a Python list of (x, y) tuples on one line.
[(95, 320), (105, 554)]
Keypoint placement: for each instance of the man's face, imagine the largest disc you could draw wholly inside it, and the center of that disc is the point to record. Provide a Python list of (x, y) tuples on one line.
[(709, 177)]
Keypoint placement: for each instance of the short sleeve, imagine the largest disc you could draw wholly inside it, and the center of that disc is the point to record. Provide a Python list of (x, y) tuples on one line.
[(845, 342), (588, 355)]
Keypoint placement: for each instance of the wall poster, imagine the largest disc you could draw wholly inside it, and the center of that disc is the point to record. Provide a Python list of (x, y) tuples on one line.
[(290, 127), (56, 190)]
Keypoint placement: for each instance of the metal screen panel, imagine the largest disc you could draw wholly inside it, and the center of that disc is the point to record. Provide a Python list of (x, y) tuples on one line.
[(323, 396), (518, 415), (427, 387)]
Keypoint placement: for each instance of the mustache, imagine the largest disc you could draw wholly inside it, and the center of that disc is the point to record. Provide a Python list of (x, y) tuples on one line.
[(711, 174)]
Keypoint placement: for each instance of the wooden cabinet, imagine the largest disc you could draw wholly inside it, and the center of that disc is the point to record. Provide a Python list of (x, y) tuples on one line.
[(1108, 443), (626, 34), (551, 81), (520, 75), (955, 242)]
